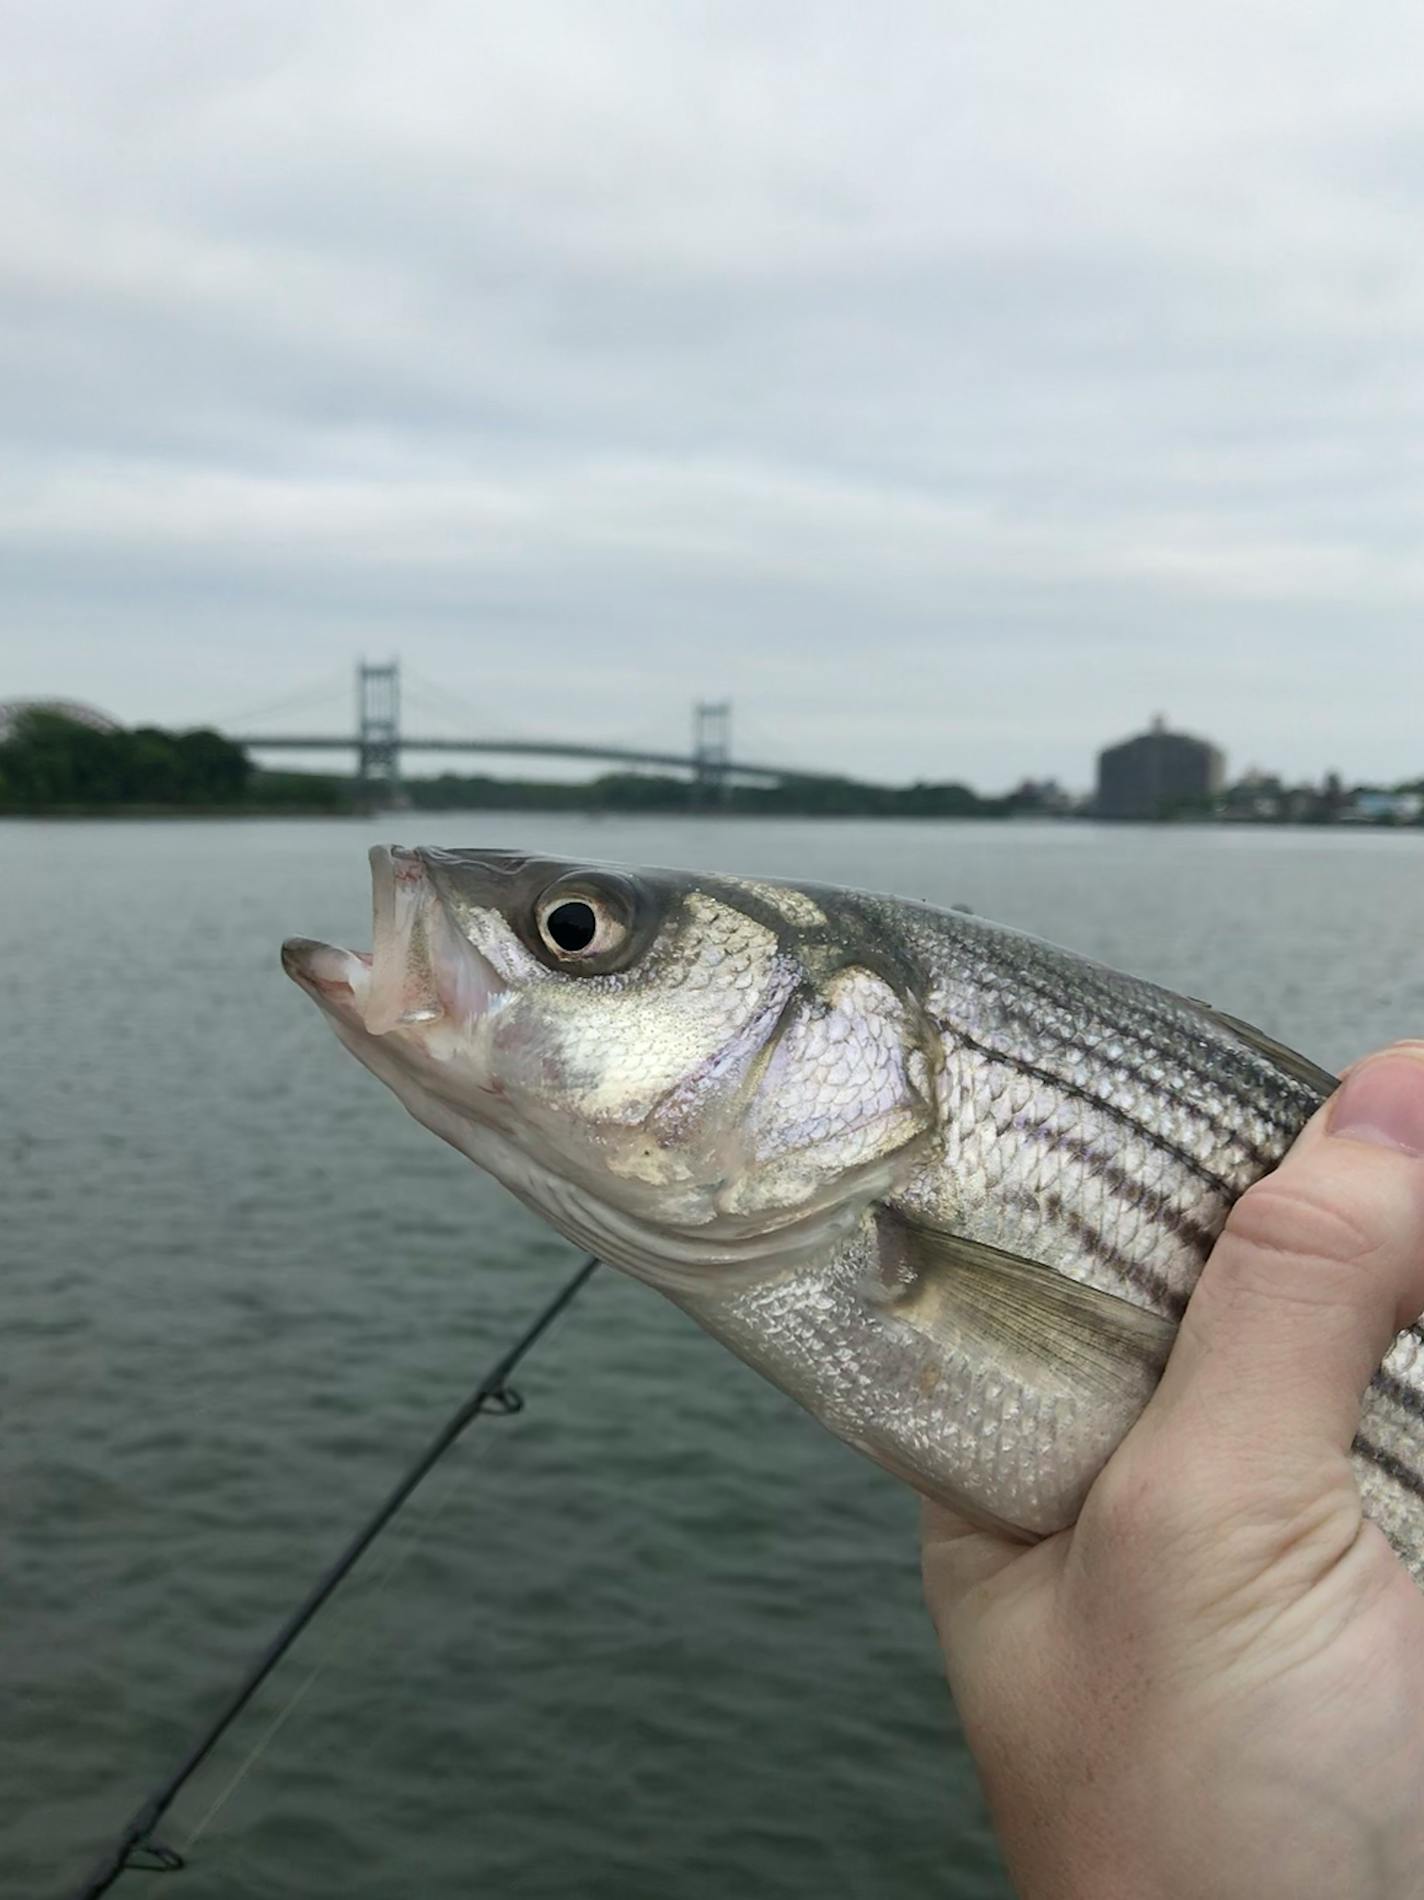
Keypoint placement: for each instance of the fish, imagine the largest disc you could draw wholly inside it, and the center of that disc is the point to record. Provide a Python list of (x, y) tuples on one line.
[(947, 1185)]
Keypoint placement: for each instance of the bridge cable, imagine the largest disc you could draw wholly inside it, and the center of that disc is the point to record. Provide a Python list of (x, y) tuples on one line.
[(416, 686), (429, 693), (317, 692), (136, 1851)]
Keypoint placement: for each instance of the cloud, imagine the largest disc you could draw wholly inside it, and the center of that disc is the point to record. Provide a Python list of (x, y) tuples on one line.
[(953, 388)]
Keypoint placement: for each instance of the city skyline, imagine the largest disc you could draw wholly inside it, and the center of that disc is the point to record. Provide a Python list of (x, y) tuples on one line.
[(1155, 769), (1080, 783)]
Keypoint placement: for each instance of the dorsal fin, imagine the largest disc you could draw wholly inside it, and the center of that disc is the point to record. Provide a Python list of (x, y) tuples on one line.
[(1290, 1060)]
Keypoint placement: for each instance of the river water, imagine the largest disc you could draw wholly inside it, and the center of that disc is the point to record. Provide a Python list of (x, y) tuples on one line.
[(659, 1635)]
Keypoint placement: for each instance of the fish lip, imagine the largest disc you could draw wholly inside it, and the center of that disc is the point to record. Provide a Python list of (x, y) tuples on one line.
[(396, 898), (422, 970), (335, 978)]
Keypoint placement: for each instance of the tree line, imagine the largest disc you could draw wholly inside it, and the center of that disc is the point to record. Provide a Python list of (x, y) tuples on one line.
[(643, 791), (49, 763)]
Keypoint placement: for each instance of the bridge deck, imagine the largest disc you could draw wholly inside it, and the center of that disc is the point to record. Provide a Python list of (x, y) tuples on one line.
[(535, 748)]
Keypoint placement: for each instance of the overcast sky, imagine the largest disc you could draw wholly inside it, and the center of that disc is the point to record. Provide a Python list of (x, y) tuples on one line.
[(952, 386)]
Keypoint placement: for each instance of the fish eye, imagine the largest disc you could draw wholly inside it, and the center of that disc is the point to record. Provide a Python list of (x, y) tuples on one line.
[(579, 926), (571, 926)]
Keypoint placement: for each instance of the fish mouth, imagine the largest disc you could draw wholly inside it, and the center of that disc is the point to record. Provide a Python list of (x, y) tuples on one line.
[(422, 970)]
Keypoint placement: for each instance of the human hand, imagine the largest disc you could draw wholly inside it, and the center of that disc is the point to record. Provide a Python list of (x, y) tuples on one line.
[(1212, 1686)]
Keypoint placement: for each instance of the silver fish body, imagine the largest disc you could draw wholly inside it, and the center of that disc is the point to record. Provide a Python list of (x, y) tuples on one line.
[(948, 1186)]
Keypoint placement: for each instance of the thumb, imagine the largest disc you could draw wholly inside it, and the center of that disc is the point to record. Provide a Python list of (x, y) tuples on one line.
[(1319, 1265)]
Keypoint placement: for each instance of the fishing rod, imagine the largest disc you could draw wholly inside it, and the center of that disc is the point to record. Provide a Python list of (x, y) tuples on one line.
[(135, 1850)]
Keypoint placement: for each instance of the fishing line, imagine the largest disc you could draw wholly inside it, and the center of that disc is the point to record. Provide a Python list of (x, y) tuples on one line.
[(439, 1493), (245, 1766), (136, 1850)]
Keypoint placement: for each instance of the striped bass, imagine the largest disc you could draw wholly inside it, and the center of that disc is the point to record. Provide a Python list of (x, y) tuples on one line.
[(948, 1186)]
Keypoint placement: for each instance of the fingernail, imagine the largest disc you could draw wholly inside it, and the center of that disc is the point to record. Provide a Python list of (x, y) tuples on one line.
[(1383, 1102)]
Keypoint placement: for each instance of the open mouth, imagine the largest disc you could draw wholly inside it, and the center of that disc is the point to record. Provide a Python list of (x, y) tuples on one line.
[(421, 970)]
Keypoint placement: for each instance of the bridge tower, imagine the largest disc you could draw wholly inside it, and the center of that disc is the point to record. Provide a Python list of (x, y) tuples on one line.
[(378, 734), (711, 750)]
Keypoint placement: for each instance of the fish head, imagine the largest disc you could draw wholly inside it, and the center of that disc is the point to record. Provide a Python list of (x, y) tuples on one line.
[(700, 1078)]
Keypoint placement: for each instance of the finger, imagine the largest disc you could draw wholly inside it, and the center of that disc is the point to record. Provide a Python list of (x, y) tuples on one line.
[(1406, 1045), (957, 1559), (1319, 1265), (958, 1555)]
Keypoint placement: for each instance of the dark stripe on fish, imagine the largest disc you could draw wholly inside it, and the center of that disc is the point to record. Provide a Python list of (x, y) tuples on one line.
[(1051, 1207), (1391, 1466), (1097, 1245), (1225, 1126), (1152, 1136), (1173, 1047), (1150, 1201), (1404, 1396)]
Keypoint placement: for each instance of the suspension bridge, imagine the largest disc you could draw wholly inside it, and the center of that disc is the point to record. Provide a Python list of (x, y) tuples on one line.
[(380, 742)]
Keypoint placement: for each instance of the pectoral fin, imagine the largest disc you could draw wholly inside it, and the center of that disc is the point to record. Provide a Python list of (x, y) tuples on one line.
[(1047, 1332)]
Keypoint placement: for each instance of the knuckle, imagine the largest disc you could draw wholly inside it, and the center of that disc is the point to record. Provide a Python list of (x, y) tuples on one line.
[(1137, 1505), (1189, 1525), (1327, 1241), (1284, 1215)]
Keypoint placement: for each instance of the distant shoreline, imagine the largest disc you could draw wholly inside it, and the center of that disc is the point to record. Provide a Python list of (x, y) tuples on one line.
[(48, 814), (159, 814), (57, 764)]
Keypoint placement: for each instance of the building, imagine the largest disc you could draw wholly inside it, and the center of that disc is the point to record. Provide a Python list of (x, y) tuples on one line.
[(1155, 773), (1370, 806)]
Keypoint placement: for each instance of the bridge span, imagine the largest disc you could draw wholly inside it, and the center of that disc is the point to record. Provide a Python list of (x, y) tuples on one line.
[(531, 748), (379, 743)]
